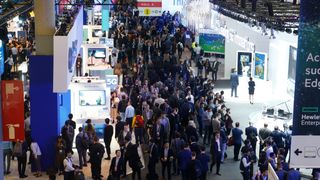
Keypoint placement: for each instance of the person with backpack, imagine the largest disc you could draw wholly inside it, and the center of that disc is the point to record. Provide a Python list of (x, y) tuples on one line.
[(138, 126), (82, 144), (20, 151)]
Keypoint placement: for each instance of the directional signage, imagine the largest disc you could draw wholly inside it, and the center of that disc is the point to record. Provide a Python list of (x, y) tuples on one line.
[(149, 7), (305, 143)]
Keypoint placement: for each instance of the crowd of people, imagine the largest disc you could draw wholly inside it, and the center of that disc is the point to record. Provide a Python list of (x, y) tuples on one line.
[(165, 109)]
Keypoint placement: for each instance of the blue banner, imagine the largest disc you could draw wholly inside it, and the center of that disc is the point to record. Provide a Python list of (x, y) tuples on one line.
[(259, 65), (306, 116), (1, 57), (105, 18)]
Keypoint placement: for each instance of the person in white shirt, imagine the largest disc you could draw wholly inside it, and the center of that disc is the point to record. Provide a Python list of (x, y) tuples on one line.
[(68, 166), (36, 152), (268, 149), (129, 114)]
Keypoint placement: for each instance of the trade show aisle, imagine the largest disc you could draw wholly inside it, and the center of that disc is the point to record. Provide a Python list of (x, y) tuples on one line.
[(241, 110)]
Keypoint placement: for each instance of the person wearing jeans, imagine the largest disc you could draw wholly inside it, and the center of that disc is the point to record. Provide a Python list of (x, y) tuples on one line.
[(7, 153), (224, 140), (237, 139), (234, 78)]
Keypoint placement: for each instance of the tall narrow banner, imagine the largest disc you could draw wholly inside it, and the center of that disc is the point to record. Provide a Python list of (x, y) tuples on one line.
[(1, 57), (305, 143), (105, 18), (12, 110)]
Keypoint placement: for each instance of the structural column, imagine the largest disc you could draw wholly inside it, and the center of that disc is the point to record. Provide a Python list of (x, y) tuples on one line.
[(43, 102), (44, 26)]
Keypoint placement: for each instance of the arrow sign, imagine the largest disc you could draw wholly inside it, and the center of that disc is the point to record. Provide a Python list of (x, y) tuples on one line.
[(297, 152)]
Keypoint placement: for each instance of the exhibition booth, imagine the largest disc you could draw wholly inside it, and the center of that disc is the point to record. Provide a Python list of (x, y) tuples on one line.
[(266, 55)]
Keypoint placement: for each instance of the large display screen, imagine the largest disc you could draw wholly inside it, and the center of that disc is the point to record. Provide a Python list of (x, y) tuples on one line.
[(92, 98), (292, 63), (212, 43), (97, 53)]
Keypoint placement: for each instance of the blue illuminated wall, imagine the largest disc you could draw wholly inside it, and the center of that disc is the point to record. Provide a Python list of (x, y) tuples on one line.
[(48, 109)]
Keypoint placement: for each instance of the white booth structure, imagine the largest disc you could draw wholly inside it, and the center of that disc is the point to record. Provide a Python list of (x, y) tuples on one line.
[(90, 101)]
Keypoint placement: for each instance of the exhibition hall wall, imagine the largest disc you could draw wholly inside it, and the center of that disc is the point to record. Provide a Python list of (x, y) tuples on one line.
[(277, 49)]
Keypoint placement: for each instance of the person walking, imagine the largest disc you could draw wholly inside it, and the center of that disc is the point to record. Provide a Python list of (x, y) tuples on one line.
[(107, 137), (252, 133), (22, 159), (237, 139), (234, 78), (116, 167), (129, 114), (166, 159), (7, 153), (204, 160), (96, 152), (132, 156), (252, 85), (82, 144), (215, 150)]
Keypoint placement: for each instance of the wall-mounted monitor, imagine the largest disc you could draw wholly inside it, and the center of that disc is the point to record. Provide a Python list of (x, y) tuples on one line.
[(92, 98)]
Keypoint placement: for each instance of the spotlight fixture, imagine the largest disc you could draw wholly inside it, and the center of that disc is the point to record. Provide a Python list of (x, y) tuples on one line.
[(296, 32)]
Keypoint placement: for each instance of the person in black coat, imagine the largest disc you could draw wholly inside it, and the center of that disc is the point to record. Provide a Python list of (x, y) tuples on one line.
[(116, 167), (158, 133), (119, 126), (132, 156), (215, 150), (96, 152), (192, 131), (153, 158), (252, 133), (107, 137), (166, 159), (194, 146), (22, 160)]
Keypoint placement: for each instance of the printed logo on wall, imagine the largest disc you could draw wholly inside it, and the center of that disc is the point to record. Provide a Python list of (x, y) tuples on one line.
[(305, 143), (149, 7)]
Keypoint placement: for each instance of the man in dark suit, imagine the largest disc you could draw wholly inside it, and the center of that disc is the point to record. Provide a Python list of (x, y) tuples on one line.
[(237, 139), (107, 137), (234, 78), (204, 160), (119, 127), (216, 154), (252, 133), (184, 157), (158, 133), (132, 156), (116, 167), (166, 159), (96, 152), (153, 158), (194, 146), (192, 131)]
